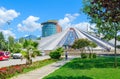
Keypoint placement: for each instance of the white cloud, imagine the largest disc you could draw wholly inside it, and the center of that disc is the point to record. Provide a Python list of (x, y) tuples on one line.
[(7, 33), (66, 21), (30, 24), (69, 18), (7, 15), (84, 26)]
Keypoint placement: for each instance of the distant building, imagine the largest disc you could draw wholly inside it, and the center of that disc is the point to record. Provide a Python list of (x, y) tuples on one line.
[(50, 27)]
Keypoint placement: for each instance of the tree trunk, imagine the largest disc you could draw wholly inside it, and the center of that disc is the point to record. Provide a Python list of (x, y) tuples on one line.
[(115, 63), (90, 54)]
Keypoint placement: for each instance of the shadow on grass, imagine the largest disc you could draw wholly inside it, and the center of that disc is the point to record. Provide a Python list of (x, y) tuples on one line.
[(68, 77), (92, 63)]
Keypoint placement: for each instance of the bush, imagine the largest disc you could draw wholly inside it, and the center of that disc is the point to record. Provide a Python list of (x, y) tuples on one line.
[(84, 55), (10, 71), (60, 49), (88, 55), (94, 55), (55, 54), (37, 52)]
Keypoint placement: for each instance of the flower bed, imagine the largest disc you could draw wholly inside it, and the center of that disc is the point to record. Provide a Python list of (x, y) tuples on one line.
[(8, 72)]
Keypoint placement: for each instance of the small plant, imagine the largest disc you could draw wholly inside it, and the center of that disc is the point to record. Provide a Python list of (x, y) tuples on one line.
[(94, 55), (84, 55), (37, 52), (56, 54), (90, 55)]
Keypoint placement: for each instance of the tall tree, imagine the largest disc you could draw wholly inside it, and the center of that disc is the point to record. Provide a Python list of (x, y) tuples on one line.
[(11, 43), (11, 40), (106, 15), (3, 45), (2, 37)]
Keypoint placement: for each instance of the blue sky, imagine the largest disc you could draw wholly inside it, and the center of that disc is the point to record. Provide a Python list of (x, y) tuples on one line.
[(26, 16)]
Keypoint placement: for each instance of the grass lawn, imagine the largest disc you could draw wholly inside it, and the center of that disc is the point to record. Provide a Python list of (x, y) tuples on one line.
[(99, 68), (38, 64)]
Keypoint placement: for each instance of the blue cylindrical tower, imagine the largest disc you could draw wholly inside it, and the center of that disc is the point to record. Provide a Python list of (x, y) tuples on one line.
[(49, 28)]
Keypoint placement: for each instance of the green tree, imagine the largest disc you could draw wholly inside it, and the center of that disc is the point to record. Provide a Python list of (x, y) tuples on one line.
[(106, 15), (22, 40), (34, 44), (2, 37), (26, 43), (91, 45), (11, 42), (17, 47), (29, 46), (3, 45), (80, 44)]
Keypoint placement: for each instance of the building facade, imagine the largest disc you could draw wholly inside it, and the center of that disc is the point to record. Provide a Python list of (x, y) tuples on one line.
[(50, 27)]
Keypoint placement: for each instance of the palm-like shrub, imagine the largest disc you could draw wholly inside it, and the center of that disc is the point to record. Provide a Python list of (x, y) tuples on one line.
[(37, 52), (30, 50)]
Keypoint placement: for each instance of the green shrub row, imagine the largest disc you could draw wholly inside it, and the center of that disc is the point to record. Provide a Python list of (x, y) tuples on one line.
[(88, 55)]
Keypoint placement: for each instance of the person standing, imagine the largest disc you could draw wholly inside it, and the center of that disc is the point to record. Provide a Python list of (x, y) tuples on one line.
[(66, 55)]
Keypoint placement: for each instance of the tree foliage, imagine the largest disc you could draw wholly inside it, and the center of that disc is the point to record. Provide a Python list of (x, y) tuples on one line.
[(11, 40), (23, 46), (30, 45), (17, 47), (106, 15), (11, 43), (3, 45), (82, 43), (21, 40), (2, 39)]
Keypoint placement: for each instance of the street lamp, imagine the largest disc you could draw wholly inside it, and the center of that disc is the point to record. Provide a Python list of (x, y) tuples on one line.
[(8, 22)]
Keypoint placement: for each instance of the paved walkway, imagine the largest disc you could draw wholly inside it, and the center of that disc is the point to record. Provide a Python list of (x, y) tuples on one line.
[(44, 71)]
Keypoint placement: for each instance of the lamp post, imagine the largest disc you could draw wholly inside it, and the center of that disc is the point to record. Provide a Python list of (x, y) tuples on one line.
[(8, 22)]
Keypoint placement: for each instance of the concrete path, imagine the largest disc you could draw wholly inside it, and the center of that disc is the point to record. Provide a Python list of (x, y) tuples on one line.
[(44, 71)]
